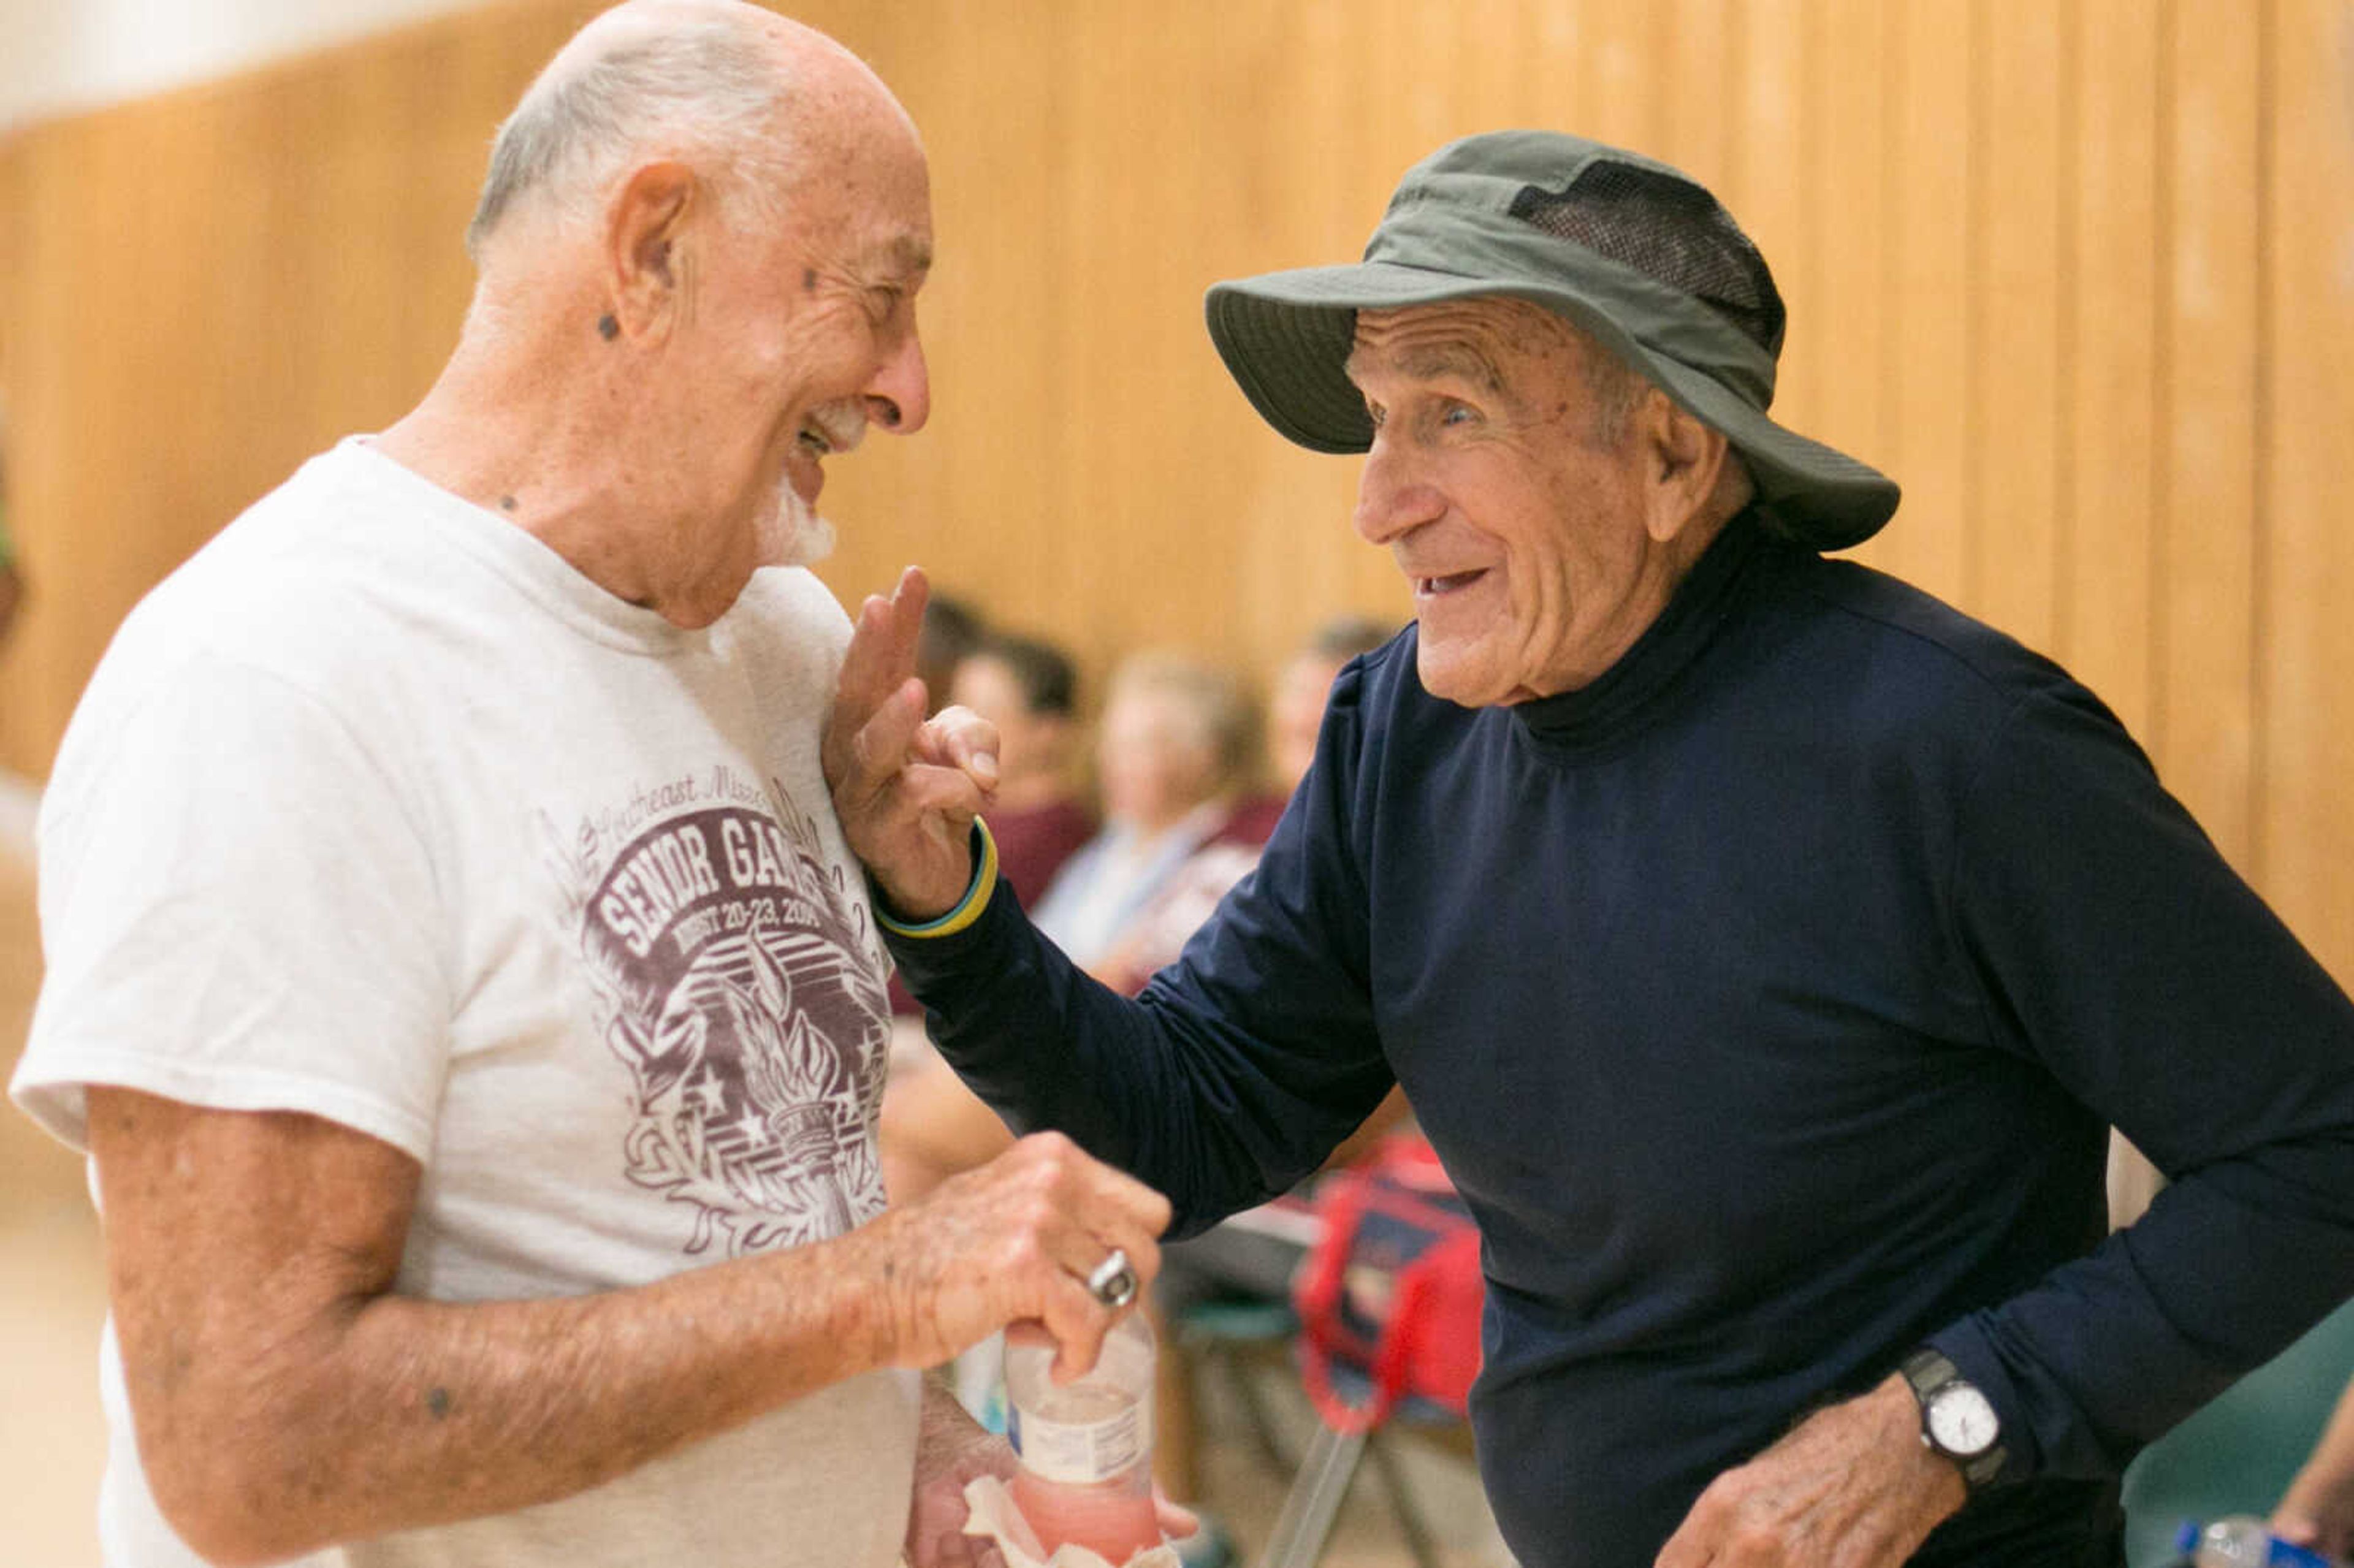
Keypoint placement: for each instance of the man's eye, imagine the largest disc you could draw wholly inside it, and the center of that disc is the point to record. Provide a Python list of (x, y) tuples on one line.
[(1457, 414), (1374, 415)]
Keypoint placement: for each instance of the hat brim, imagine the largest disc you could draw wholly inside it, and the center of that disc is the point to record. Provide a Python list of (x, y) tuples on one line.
[(1286, 337)]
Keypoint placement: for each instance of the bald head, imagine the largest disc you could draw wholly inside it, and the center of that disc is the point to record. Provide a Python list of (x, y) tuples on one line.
[(699, 250), (745, 97)]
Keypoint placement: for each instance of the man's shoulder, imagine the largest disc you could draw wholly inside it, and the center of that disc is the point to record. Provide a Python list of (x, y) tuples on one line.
[(1917, 639), (320, 586), (255, 582)]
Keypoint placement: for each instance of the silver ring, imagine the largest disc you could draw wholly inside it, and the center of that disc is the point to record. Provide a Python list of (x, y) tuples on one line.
[(1113, 1282)]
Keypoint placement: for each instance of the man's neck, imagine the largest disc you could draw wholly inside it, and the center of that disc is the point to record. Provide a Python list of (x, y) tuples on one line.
[(523, 438)]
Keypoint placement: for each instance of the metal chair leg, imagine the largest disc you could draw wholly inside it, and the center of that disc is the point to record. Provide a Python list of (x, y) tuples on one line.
[(1254, 1412), (1409, 1518), (1314, 1500)]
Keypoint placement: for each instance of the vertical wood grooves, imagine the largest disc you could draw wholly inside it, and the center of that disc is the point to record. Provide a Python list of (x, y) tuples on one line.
[(2260, 496), (2067, 490), (2161, 426)]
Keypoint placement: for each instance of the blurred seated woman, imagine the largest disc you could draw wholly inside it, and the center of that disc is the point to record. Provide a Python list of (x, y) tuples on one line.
[(1176, 749)]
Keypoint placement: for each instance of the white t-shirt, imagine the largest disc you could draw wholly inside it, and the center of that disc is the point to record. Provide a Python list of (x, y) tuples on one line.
[(379, 810)]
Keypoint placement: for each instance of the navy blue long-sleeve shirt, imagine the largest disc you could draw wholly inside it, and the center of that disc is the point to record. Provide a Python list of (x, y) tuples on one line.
[(1768, 1000)]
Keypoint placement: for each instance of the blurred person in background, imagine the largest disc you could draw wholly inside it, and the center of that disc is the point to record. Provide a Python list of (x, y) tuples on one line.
[(1765, 946), (1176, 750), (1295, 709), (455, 971), (1160, 929), (952, 630), (1029, 690)]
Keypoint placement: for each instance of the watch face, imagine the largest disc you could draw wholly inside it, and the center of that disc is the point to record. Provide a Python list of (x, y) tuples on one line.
[(1961, 1422)]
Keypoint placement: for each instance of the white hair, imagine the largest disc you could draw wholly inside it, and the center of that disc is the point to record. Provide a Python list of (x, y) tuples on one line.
[(700, 82)]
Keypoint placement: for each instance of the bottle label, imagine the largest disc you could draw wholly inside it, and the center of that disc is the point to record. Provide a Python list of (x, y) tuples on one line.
[(1082, 1452)]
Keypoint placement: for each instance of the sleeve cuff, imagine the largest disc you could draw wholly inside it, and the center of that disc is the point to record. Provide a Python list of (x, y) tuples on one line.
[(968, 909), (1964, 1343)]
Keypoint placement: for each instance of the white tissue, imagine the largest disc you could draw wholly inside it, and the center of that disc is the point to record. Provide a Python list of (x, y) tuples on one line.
[(989, 1513)]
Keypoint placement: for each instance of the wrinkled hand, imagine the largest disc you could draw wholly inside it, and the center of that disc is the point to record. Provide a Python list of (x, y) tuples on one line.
[(2317, 1512), (907, 788), (1851, 1486), (1010, 1241), (953, 1449)]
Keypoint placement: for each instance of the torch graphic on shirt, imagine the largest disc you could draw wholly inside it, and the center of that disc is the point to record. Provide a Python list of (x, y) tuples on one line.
[(731, 975), (784, 1069)]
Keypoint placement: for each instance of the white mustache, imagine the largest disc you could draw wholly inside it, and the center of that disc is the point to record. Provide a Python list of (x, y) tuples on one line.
[(842, 423)]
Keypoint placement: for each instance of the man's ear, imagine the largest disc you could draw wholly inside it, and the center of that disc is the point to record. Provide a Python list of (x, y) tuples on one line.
[(645, 245), (1682, 459)]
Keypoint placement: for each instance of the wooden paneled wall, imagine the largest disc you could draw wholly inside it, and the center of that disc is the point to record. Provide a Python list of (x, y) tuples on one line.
[(2079, 272)]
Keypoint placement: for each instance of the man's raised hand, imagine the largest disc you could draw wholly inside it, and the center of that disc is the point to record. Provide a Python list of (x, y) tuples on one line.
[(905, 789)]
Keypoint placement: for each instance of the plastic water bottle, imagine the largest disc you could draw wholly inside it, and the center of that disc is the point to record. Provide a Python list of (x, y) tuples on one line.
[(1086, 1446), (2242, 1541)]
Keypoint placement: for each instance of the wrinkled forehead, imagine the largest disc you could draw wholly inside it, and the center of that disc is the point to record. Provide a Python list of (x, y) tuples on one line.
[(869, 214), (852, 157), (1492, 340)]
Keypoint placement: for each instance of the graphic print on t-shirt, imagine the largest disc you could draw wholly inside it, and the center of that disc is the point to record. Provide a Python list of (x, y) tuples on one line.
[(733, 977)]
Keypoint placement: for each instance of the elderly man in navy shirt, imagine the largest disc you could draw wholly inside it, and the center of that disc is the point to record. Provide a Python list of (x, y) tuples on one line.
[(1765, 946)]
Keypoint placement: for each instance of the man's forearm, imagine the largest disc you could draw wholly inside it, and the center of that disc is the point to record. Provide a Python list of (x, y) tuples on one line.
[(285, 1396), (409, 1413), (1138, 1083), (2231, 1263)]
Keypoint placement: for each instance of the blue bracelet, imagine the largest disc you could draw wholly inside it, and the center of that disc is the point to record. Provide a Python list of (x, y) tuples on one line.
[(970, 908)]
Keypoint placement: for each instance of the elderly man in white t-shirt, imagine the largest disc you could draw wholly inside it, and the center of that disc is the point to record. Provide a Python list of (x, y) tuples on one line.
[(455, 971)]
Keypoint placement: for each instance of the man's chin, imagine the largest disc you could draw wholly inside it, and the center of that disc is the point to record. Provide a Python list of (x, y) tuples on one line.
[(1461, 681), (794, 534)]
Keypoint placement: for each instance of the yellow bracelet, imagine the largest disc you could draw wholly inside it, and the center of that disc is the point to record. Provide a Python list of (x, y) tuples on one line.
[(967, 909)]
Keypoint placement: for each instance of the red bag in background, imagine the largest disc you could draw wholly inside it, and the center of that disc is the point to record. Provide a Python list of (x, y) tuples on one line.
[(1391, 1292)]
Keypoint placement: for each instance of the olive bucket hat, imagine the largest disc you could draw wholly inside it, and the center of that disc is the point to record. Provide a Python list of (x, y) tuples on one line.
[(1642, 257)]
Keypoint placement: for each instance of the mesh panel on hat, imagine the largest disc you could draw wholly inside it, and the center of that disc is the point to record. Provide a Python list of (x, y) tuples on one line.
[(1668, 230)]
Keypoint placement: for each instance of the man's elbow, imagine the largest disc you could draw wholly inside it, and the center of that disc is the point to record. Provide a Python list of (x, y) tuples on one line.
[(232, 1505)]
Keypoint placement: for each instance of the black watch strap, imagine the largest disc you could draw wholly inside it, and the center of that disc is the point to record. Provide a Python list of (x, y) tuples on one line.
[(1931, 1370)]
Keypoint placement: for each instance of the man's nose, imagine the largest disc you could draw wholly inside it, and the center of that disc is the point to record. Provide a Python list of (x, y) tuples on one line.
[(1393, 496), (899, 397)]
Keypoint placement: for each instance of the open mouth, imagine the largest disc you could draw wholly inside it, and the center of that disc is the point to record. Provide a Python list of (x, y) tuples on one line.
[(834, 427), (1438, 586)]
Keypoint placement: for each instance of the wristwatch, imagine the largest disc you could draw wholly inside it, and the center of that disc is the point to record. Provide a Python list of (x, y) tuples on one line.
[(1956, 1419)]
